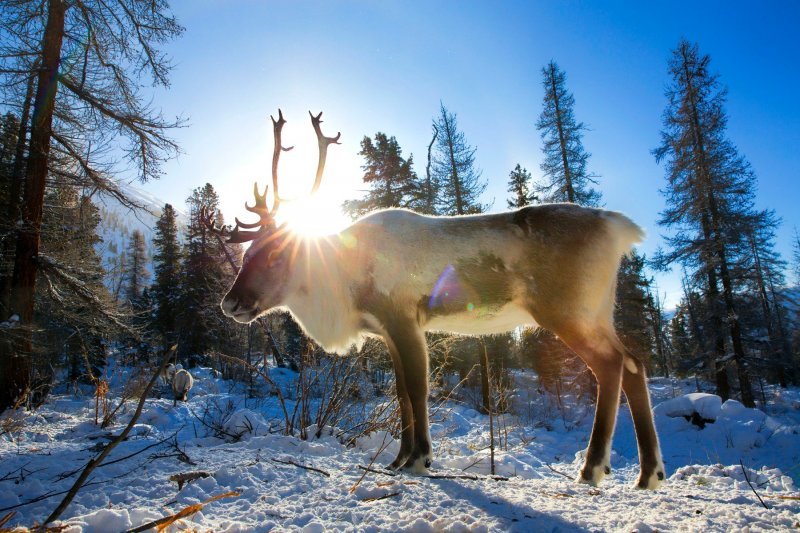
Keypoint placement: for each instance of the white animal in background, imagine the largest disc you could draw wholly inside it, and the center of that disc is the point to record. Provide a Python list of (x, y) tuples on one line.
[(168, 374), (397, 274), (181, 385)]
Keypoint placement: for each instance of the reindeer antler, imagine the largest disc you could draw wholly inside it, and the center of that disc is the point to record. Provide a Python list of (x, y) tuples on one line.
[(277, 126), (266, 220), (235, 235), (323, 148)]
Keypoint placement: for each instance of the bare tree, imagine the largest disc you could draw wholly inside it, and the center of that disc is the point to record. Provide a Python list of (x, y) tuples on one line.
[(89, 104)]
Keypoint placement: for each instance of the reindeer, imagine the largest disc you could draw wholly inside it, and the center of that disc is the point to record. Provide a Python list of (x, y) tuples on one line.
[(397, 274), (181, 385)]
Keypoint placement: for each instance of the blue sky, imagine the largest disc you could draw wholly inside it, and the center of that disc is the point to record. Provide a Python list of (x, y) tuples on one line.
[(384, 66)]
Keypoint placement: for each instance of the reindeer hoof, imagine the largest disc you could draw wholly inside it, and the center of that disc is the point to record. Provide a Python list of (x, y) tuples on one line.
[(593, 475), (651, 481), (401, 460), (418, 463)]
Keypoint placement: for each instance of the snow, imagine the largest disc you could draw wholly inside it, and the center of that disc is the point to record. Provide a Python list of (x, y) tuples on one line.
[(707, 406), (238, 441)]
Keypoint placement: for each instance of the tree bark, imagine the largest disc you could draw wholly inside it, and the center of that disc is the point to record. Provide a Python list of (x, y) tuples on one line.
[(15, 367)]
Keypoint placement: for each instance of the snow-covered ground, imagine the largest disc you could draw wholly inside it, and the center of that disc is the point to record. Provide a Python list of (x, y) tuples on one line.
[(539, 454)]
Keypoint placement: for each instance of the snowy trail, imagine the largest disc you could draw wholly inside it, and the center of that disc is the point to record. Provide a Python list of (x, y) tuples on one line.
[(61, 437)]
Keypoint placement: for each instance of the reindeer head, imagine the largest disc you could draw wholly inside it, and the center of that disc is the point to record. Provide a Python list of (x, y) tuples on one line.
[(262, 282)]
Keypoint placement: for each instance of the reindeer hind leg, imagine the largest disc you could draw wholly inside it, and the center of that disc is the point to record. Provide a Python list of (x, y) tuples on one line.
[(600, 354), (634, 384)]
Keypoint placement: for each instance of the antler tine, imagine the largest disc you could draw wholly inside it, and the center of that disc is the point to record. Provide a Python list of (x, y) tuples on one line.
[(277, 126), (238, 236), (209, 222), (323, 148), (260, 208), (245, 225)]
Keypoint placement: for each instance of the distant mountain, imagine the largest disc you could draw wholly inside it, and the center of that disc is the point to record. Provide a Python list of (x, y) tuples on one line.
[(117, 224)]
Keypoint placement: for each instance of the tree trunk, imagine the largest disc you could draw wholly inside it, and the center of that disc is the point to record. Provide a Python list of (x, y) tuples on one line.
[(454, 168), (561, 140), (17, 178), (745, 386), (429, 197), (15, 367), (486, 391)]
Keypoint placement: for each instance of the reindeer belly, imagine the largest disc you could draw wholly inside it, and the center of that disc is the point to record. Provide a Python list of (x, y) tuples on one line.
[(473, 296), (480, 320)]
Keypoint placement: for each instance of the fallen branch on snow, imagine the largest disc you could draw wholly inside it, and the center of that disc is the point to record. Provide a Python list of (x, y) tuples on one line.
[(385, 496), (746, 478), (374, 471), (298, 465), (471, 477), (163, 523), (559, 472), (7, 517)]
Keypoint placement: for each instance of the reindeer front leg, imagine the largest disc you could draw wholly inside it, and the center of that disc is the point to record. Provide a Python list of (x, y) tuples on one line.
[(406, 343)]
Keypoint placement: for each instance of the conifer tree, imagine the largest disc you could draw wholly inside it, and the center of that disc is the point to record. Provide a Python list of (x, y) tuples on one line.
[(167, 268), (137, 276), (765, 284), (426, 201), (73, 304), (685, 349), (458, 186), (633, 315), (205, 279), (392, 181), (796, 256), (710, 195), (566, 178), (519, 183), (453, 170)]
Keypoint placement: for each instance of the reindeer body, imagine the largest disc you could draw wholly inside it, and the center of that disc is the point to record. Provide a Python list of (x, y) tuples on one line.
[(473, 275), (397, 274)]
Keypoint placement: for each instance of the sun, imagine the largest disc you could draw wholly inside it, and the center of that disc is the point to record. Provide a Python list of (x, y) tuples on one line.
[(313, 216)]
